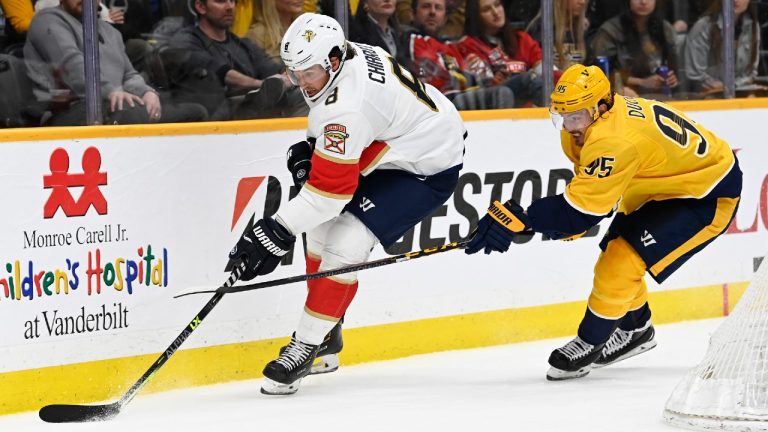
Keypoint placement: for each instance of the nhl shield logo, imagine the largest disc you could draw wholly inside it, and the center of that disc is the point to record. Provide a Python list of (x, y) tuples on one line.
[(335, 137), (308, 35)]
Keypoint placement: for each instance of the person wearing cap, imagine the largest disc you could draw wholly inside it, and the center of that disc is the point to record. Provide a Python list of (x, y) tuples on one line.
[(673, 184)]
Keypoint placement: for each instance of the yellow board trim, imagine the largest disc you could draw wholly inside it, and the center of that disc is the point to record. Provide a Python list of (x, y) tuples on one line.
[(29, 390), (300, 123), (150, 130), (723, 214)]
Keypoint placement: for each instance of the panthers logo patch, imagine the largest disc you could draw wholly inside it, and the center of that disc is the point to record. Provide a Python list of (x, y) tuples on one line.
[(335, 137)]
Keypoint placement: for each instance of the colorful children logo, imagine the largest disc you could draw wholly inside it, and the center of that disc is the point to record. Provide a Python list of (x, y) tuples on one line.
[(61, 180), (29, 280)]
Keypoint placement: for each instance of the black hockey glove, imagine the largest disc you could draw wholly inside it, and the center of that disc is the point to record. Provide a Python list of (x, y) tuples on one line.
[(300, 161), (496, 229), (262, 247)]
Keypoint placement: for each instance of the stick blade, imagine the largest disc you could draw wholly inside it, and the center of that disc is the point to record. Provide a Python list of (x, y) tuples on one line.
[(78, 413)]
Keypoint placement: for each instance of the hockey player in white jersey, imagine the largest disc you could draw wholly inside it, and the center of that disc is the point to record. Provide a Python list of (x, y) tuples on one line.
[(384, 150)]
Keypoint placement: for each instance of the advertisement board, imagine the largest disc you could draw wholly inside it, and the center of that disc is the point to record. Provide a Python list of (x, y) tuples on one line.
[(99, 233)]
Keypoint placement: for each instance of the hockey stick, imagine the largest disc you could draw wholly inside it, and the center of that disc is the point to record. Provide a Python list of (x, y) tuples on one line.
[(333, 272), (60, 413)]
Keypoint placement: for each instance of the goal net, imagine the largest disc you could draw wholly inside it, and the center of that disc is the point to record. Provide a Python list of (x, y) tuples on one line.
[(728, 390)]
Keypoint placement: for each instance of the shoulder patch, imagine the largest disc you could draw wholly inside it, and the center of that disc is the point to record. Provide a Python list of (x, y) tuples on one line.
[(335, 137)]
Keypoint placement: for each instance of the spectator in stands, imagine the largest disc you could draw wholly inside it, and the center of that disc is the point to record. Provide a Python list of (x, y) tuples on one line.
[(570, 26), (441, 64), (703, 49), (144, 25), (55, 64), (209, 64), (497, 53), (454, 13), (270, 21), (637, 42), (375, 24)]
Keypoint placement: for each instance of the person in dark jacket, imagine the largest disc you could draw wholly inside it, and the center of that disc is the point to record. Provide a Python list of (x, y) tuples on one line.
[(375, 24), (231, 76)]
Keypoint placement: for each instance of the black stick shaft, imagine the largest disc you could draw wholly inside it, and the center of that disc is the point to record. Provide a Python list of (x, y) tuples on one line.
[(174, 346), (61, 413), (333, 272), (64, 413)]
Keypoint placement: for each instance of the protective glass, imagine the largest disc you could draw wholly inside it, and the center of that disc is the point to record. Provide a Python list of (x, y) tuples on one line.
[(310, 74), (571, 121)]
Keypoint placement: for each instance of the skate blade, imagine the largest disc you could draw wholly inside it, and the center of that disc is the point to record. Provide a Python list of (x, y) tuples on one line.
[(274, 388), (325, 364), (554, 374), (651, 344)]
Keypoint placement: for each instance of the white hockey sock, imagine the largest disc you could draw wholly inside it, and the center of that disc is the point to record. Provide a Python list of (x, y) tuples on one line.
[(312, 330)]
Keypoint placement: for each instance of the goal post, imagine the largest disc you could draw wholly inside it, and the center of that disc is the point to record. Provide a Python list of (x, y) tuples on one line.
[(728, 390)]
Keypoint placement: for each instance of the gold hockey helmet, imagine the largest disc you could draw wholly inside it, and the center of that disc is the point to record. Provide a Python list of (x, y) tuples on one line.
[(580, 87)]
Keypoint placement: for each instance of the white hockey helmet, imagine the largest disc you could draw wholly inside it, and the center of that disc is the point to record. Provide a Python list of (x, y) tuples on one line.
[(308, 42)]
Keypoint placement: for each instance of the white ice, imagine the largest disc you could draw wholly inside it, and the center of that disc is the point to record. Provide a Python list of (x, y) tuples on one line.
[(489, 389)]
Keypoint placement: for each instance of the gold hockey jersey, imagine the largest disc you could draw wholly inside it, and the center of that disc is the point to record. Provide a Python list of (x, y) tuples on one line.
[(643, 150)]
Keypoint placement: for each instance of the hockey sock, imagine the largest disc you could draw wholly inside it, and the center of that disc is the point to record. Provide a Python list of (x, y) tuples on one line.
[(329, 298), (635, 319), (312, 329), (594, 329), (313, 266)]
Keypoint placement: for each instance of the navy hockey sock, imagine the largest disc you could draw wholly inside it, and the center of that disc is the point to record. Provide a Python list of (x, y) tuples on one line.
[(596, 330), (635, 319)]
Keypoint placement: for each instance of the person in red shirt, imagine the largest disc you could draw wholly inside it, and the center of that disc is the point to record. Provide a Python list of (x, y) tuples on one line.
[(441, 64), (501, 54)]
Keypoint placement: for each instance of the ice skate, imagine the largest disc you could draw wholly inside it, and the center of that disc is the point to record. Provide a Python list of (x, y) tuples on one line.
[(327, 359), (624, 344), (573, 360), (328, 356), (283, 375)]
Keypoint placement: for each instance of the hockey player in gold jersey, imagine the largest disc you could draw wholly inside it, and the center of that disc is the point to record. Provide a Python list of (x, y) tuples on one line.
[(673, 184)]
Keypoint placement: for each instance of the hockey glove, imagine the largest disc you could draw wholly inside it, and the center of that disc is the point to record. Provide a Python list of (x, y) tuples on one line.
[(300, 161), (496, 230), (262, 248)]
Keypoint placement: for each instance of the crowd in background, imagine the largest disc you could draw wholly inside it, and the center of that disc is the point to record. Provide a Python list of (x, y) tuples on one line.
[(196, 60)]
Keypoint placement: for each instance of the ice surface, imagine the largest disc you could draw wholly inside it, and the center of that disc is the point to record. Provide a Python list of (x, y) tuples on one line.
[(490, 389)]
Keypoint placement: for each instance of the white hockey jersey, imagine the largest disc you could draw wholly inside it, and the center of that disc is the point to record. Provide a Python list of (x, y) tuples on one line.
[(376, 116)]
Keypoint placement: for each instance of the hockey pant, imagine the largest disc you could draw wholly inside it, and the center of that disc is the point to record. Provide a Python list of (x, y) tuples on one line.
[(662, 236)]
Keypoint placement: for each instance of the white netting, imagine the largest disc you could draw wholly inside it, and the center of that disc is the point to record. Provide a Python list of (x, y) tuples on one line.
[(728, 390)]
